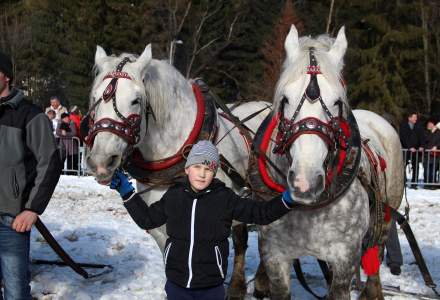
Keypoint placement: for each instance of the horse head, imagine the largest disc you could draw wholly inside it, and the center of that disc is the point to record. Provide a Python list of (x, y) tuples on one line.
[(119, 102), (308, 99)]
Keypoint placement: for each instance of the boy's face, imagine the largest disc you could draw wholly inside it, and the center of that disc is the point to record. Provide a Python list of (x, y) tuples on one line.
[(200, 176)]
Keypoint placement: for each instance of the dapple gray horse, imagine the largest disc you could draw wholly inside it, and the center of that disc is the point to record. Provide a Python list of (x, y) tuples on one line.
[(333, 233), (146, 104)]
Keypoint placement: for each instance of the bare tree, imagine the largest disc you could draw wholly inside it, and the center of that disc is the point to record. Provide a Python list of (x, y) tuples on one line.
[(15, 37), (330, 13)]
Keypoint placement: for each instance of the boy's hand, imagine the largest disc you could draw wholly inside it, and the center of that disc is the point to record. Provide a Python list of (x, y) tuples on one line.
[(24, 221), (287, 198), (121, 183)]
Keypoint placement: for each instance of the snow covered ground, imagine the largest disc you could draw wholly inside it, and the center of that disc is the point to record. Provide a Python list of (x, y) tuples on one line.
[(91, 224)]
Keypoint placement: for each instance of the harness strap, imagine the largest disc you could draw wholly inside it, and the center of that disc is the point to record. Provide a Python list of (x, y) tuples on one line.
[(302, 280), (404, 225), (232, 173), (61, 252)]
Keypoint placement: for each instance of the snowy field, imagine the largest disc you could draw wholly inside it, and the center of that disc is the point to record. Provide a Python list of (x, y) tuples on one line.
[(91, 224)]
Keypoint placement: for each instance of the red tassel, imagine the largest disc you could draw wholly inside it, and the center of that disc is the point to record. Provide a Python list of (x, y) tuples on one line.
[(370, 261)]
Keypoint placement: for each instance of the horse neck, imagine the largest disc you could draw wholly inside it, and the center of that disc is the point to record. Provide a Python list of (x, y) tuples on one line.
[(174, 105)]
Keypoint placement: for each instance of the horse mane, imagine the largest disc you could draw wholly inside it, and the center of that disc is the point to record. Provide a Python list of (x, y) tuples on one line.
[(161, 82), (293, 70)]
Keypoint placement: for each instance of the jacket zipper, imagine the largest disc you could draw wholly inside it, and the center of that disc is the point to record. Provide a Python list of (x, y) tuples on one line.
[(16, 187), (167, 250), (218, 257), (191, 245)]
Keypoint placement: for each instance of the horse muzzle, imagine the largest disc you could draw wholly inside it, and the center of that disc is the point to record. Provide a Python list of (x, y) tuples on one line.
[(103, 167), (306, 187)]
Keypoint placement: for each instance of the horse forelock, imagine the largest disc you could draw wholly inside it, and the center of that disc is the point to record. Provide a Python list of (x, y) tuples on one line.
[(293, 70)]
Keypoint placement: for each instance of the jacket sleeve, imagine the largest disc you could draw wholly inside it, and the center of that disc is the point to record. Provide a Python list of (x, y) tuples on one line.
[(403, 134), (255, 212), (41, 142), (146, 217)]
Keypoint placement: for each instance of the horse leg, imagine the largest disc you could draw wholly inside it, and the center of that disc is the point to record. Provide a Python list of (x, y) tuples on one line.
[(342, 275), (278, 270), (261, 287), (237, 288), (373, 286)]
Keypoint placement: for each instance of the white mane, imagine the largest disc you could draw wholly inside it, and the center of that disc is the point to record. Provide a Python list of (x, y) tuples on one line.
[(156, 83), (163, 82), (293, 70)]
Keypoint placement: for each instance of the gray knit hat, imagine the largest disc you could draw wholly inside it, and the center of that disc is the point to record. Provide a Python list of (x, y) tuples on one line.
[(205, 153)]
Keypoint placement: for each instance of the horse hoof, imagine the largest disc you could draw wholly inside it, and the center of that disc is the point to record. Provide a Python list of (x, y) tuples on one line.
[(368, 295), (261, 294), (236, 294)]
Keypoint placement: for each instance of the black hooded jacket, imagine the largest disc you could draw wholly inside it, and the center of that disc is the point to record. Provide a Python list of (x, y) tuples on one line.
[(198, 226)]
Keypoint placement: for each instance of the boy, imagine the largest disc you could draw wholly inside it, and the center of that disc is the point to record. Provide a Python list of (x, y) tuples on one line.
[(198, 213)]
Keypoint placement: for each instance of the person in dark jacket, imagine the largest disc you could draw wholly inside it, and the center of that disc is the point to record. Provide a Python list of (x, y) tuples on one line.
[(31, 167), (198, 213), (431, 160), (68, 144), (411, 137)]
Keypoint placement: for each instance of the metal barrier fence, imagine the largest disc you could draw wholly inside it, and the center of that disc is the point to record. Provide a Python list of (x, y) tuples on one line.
[(72, 155), (422, 168)]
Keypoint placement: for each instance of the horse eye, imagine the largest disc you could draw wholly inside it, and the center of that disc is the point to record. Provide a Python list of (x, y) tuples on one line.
[(135, 101), (285, 100)]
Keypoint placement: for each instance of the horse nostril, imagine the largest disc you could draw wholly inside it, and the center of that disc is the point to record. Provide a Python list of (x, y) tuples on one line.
[(319, 180), (91, 164)]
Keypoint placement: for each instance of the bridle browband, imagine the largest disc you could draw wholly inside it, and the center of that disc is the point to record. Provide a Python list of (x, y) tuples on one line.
[(129, 128)]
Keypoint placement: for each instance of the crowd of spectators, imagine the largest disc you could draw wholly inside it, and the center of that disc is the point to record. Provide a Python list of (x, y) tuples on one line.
[(66, 129), (422, 143)]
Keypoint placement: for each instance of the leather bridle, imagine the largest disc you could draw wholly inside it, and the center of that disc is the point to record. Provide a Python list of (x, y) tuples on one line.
[(289, 130), (129, 128)]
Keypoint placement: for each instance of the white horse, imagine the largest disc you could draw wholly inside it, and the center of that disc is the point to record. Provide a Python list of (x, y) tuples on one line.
[(125, 91), (334, 232)]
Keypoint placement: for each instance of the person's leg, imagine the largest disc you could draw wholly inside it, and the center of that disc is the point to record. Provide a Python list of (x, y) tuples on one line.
[(415, 169), (394, 256), (214, 293), (14, 261), (175, 292)]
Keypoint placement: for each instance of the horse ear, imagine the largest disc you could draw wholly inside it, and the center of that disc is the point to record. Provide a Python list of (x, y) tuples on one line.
[(339, 47), (99, 55), (145, 58), (291, 43)]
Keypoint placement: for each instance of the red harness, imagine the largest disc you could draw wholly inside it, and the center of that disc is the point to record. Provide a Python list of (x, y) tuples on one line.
[(174, 159), (305, 126)]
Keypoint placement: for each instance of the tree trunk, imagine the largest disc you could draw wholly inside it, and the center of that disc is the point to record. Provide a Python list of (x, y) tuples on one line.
[(329, 20), (426, 57)]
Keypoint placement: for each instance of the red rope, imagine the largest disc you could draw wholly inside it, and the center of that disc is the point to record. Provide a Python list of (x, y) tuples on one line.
[(174, 159)]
